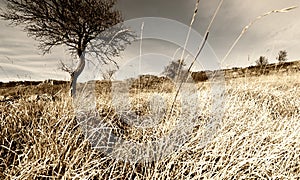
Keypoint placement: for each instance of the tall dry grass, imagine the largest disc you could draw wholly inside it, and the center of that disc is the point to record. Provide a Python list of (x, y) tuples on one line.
[(258, 138), (258, 135)]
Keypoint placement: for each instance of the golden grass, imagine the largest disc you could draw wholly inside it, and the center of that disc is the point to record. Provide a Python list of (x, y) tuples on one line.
[(258, 138)]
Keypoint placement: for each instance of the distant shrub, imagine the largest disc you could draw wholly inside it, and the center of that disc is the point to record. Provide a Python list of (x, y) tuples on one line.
[(199, 76), (151, 82)]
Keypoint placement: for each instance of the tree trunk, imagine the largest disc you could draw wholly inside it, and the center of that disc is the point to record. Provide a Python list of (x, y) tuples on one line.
[(76, 73)]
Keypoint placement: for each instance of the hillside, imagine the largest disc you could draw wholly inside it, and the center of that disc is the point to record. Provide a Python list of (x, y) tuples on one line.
[(270, 69), (144, 82), (258, 137)]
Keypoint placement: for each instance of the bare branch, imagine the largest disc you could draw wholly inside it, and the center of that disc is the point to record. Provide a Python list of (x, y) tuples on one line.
[(66, 68), (55, 22)]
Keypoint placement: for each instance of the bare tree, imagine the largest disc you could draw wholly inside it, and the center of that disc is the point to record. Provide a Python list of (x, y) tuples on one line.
[(75, 23), (282, 56), (262, 61), (175, 70)]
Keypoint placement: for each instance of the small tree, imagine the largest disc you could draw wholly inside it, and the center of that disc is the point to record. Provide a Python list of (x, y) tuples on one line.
[(75, 23), (175, 70), (282, 56), (262, 61)]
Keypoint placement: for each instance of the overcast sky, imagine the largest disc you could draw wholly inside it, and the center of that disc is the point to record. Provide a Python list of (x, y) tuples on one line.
[(20, 59)]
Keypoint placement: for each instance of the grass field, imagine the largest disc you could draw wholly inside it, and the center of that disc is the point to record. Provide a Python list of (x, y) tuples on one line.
[(258, 135)]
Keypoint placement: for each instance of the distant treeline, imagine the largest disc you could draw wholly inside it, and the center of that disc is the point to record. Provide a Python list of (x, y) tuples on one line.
[(153, 82), (31, 83)]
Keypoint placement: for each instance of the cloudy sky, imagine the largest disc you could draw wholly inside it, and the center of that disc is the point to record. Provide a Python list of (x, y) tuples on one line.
[(20, 59)]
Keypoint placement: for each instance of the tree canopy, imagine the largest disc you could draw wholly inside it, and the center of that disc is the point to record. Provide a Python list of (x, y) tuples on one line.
[(55, 22), (75, 23)]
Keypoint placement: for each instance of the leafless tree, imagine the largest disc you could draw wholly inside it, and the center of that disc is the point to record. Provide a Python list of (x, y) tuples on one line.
[(262, 61), (80, 24), (175, 69), (282, 56)]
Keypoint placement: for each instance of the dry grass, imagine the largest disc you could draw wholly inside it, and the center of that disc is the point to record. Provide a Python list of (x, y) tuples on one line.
[(40, 138), (258, 138)]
